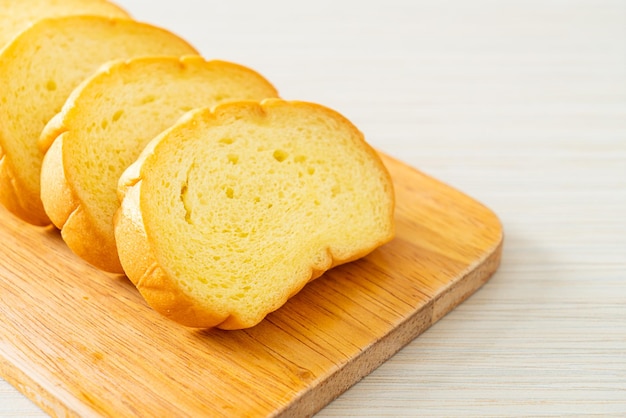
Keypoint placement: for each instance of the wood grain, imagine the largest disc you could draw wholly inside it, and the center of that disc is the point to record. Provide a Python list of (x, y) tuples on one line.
[(82, 343)]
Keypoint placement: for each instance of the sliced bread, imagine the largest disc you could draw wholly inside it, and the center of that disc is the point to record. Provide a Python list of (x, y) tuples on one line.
[(233, 210), (104, 126), (38, 71), (17, 15)]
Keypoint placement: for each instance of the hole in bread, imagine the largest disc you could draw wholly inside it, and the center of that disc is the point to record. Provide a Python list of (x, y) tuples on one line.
[(51, 85), (230, 192), (226, 141), (300, 158), (148, 99), (117, 115), (311, 170), (187, 211), (280, 155), (104, 123), (184, 198), (233, 158)]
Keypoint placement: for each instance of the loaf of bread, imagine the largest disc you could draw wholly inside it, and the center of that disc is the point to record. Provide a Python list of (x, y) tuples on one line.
[(231, 211), (104, 126), (38, 70), (17, 15)]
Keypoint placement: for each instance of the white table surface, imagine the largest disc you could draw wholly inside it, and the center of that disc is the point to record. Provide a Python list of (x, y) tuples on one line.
[(520, 104)]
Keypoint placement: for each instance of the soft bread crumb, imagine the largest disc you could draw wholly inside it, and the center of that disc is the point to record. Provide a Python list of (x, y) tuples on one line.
[(241, 206)]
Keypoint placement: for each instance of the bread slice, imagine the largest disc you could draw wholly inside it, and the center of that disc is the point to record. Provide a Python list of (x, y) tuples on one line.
[(104, 126), (232, 211), (38, 70), (17, 15)]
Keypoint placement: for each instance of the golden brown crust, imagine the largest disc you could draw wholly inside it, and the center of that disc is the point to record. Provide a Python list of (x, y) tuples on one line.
[(19, 14), (53, 129), (53, 184), (142, 269), (67, 214), (14, 196)]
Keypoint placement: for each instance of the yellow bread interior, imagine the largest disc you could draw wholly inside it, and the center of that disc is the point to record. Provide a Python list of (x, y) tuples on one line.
[(233, 210), (104, 126), (38, 71)]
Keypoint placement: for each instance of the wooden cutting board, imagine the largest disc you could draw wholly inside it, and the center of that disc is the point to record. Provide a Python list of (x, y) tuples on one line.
[(79, 342)]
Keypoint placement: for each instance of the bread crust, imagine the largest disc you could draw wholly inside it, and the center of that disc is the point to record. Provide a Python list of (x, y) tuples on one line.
[(26, 206), (152, 282), (159, 286), (17, 15), (67, 214)]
